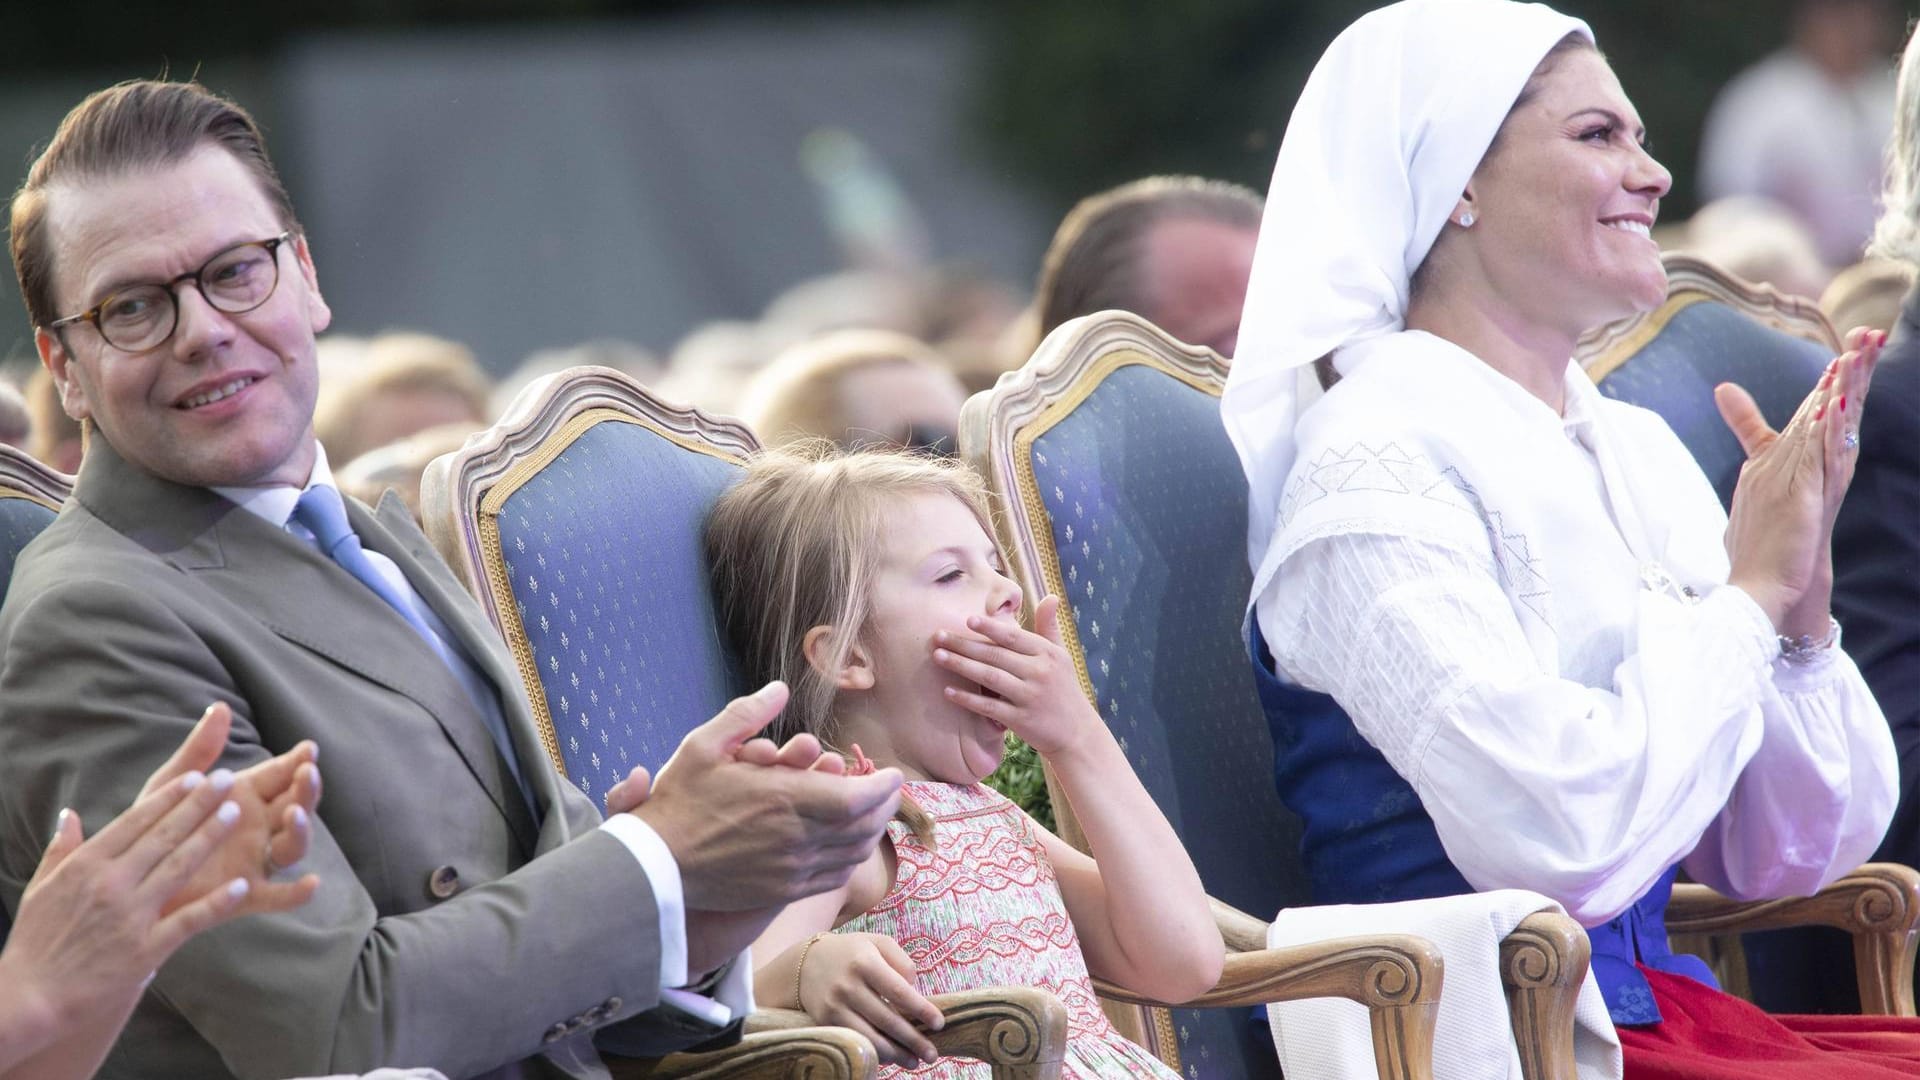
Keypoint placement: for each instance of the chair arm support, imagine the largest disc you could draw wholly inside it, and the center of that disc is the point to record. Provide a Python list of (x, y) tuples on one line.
[(1543, 961), (1019, 1030), (1879, 904), (817, 1053), (1241, 931), (1396, 976)]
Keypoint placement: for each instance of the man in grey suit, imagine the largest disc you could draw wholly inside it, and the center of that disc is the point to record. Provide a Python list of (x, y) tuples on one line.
[(474, 913)]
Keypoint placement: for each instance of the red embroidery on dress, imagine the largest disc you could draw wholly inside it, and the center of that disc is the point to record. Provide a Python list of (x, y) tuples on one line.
[(984, 909)]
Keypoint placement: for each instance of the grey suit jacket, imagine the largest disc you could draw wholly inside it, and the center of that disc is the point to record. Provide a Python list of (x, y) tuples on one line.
[(144, 602)]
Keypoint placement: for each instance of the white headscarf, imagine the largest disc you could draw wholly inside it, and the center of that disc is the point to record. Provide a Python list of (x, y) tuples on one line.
[(1392, 124)]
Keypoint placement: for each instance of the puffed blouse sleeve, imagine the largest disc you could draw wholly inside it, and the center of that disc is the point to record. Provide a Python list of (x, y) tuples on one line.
[(1767, 778)]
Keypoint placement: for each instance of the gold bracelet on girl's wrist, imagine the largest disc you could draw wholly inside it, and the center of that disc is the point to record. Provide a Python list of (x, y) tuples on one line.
[(800, 965)]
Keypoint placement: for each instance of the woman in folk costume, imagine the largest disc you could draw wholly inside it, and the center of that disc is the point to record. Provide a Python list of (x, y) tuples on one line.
[(1567, 670)]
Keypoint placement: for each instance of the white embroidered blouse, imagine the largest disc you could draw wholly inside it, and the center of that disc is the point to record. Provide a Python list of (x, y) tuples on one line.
[(1527, 615)]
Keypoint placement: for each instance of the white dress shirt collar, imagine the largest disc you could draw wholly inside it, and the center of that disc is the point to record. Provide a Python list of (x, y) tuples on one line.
[(275, 502)]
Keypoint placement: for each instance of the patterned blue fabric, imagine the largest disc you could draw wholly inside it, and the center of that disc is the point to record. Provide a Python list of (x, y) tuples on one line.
[(603, 549), (20, 521), (1147, 509), (1368, 839), (1706, 344)]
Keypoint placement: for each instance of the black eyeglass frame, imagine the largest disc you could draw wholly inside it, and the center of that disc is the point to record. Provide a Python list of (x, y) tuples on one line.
[(171, 288)]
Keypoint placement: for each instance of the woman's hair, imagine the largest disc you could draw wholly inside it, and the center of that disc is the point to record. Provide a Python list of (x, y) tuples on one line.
[(1897, 234), (797, 543)]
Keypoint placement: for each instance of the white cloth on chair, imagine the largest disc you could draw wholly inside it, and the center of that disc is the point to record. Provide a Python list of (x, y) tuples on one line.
[(1330, 1038)]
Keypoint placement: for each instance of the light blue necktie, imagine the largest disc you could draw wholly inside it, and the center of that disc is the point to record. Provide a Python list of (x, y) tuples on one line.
[(322, 512), (325, 516)]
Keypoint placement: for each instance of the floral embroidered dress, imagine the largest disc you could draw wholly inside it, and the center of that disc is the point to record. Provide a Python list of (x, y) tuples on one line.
[(984, 909)]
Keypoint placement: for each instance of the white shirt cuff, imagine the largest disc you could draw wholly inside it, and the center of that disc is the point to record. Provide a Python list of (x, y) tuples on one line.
[(663, 874), (732, 995)]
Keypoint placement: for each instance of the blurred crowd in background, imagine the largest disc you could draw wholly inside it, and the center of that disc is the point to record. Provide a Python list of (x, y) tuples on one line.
[(883, 344)]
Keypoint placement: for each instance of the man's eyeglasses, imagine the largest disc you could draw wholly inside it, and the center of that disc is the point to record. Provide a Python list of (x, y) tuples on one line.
[(139, 317)]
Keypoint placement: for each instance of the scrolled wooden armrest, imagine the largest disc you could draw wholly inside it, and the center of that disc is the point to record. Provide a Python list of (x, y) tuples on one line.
[(816, 1053), (1019, 1030), (1879, 904), (1396, 976), (1542, 964)]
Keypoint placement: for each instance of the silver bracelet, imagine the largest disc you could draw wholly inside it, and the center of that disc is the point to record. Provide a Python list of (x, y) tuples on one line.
[(1807, 648)]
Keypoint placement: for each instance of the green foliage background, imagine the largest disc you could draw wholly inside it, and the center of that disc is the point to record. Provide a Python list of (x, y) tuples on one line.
[(1019, 778), (1080, 95)]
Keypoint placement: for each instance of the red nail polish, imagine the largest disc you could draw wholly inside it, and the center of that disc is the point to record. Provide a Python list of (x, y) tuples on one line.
[(1843, 403), (1820, 412)]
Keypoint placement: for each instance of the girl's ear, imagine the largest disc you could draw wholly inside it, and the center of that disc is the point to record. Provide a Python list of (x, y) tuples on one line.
[(855, 673)]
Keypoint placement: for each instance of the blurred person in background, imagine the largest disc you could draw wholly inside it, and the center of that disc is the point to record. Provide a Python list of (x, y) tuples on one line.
[(1871, 292), (1176, 250), (338, 356), (1759, 240), (856, 388), (709, 368), (16, 423), (58, 440), (406, 382), (1876, 539), (398, 466), (1806, 125), (1876, 571), (622, 356)]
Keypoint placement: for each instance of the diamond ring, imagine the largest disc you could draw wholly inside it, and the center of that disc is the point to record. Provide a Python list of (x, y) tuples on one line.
[(1851, 440)]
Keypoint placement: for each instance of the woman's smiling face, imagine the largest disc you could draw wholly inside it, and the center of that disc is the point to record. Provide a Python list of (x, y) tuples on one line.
[(1565, 199)]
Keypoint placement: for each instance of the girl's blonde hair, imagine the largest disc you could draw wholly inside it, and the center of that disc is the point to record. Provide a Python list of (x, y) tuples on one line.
[(796, 544)]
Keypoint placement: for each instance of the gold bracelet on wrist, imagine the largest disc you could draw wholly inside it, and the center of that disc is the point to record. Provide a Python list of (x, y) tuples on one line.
[(800, 965)]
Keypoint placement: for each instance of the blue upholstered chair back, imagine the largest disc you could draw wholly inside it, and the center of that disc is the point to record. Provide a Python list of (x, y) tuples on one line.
[(602, 547), (1146, 509), (1703, 336), (21, 519)]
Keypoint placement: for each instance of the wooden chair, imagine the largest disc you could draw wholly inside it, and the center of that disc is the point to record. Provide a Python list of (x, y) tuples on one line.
[(1122, 495), (576, 520), (1716, 328)]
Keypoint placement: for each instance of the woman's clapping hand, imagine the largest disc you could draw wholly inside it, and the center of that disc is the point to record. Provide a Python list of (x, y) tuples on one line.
[(1780, 527)]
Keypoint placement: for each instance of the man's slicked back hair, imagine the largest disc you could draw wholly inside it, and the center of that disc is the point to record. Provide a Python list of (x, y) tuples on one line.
[(1096, 260), (144, 124)]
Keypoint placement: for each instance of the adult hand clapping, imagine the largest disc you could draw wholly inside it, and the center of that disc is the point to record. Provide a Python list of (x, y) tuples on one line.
[(1780, 528), (102, 914), (754, 826)]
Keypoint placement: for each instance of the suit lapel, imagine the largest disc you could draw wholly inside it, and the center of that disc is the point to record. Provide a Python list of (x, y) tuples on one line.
[(301, 596)]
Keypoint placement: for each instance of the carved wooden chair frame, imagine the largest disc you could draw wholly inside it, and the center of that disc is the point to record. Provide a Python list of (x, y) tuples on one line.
[(1692, 280), (1019, 1031), (24, 477), (1879, 903)]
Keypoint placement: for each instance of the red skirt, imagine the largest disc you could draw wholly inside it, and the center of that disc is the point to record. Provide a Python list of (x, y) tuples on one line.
[(1708, 1035)]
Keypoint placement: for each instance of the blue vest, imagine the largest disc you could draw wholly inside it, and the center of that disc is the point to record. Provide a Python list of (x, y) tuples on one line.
[(1369, 841)]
